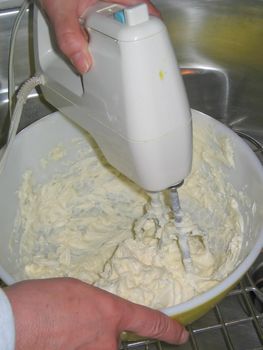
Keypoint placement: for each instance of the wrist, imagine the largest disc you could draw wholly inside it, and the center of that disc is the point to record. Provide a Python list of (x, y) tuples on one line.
[(26, 322)]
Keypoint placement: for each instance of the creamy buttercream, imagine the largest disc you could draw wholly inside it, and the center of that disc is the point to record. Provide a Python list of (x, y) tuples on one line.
[(90, 222)]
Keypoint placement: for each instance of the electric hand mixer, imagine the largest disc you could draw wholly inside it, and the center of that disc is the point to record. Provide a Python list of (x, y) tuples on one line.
[(132, 101)]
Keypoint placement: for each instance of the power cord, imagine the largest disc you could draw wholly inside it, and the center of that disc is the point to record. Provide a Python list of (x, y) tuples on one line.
[(11, 78), (23, 93)]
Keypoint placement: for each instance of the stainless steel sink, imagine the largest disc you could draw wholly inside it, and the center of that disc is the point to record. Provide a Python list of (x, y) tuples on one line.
[(218, 44), (221, 39)]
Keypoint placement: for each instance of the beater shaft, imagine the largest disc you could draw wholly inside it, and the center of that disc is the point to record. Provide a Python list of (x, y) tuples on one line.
[(182, 235)]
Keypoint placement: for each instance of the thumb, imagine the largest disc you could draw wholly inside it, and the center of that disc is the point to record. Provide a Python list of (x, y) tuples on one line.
[(153, 324), (71, 39)]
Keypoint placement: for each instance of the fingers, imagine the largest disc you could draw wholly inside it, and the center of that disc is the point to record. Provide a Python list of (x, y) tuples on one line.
[(153, 324), (73, 45), (70, 38)]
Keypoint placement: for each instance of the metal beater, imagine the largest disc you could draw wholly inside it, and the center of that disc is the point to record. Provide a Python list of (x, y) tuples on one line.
[(158, 212), (182, 236)]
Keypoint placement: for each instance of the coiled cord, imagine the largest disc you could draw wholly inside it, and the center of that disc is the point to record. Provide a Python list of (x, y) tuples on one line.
[(22, 95), (11, 78)]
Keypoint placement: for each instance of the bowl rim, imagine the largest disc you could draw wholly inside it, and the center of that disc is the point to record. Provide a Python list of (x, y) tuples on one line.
[(223, 285)]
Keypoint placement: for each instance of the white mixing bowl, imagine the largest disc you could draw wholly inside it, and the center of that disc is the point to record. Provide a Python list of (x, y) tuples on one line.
[(37, 140)]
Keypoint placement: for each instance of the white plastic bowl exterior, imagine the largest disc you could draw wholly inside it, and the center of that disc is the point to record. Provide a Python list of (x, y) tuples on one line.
[(37, 140)]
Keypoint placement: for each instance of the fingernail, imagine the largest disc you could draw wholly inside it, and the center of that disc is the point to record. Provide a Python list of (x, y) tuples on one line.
[(80, 61)]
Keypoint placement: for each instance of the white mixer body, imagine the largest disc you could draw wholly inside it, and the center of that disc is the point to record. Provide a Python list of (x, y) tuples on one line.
[(132, 101)]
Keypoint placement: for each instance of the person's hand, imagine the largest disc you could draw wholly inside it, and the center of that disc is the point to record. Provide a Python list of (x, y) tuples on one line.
[(67, 314), (71, 38)]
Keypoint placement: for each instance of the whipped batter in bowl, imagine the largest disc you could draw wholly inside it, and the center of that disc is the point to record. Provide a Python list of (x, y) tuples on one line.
[(79, 217)]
